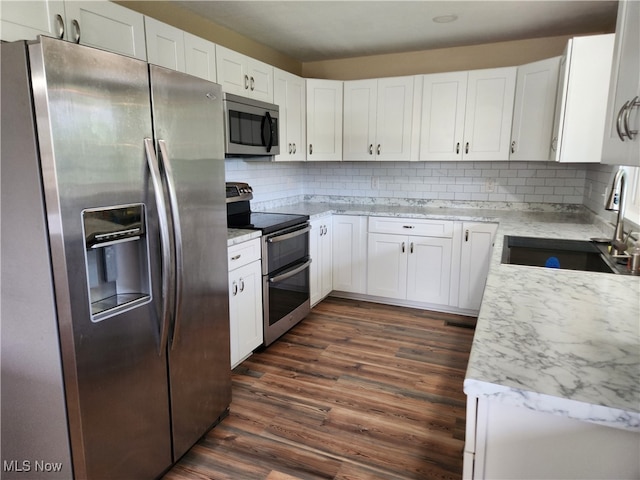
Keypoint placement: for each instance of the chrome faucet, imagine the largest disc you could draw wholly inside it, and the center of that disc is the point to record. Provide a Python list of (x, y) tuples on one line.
[(616, 202)]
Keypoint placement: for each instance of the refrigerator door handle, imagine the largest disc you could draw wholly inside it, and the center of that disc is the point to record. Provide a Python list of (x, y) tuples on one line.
[(177, 231), (154, 168)]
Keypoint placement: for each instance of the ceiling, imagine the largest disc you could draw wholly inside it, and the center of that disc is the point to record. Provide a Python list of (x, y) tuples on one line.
[(321, 30)]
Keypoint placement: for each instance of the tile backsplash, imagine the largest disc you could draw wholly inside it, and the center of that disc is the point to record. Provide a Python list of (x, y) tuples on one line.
[(510, 182)]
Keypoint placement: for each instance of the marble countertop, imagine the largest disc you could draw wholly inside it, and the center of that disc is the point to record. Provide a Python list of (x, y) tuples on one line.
[(237, 235), (556, 341)]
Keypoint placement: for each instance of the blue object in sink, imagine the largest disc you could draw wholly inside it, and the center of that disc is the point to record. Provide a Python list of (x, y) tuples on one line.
[(552, 262)]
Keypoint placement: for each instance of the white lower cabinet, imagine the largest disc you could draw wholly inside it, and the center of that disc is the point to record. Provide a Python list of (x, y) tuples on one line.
[(245, 300), (350, 253), (475, 254), (320, 246), (410, 267), (505, 441)]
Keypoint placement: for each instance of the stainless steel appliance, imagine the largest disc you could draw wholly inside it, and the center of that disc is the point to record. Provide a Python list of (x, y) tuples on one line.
[(115, 334), (285, 260), (251, 127)]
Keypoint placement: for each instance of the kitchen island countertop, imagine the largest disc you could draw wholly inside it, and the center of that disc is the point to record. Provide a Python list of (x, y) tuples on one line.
[(557, 341)]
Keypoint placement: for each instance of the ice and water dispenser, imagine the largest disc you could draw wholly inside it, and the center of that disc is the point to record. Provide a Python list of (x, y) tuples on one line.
[(117, 259)]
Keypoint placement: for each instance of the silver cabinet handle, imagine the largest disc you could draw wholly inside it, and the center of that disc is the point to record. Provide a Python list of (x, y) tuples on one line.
[(408, 226), (246, 82), (163, 219), (253, 84), (554, 144), (513, 147), (241, 284), (466, 235), (294, 148), (457, 148), (76, 31), (290, 273), (633, 104), (236, 257), (310, 149), (290, 148), (466, 148), (371, 149), (379, 149), (234, 288), (59, 26), (621, 134), (177, 236), (411, 247), (403, 247)]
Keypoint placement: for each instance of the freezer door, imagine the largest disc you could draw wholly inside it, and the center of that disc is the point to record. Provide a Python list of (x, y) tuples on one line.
[(187, 113), (92, 114)]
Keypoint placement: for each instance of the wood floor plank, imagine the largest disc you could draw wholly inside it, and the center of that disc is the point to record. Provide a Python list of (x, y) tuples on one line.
[(357, 390)]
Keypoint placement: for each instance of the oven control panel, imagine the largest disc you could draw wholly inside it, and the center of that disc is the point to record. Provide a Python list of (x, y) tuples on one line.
[(238, 191)]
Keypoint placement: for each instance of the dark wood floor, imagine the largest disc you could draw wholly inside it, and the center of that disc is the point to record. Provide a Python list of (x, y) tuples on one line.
[(356, 391)]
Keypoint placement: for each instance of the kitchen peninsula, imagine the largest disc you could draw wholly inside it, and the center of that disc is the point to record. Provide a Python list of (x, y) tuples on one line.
[(561, 344)]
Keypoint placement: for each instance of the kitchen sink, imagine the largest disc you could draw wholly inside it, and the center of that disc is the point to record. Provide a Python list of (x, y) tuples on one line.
[(581, 255)]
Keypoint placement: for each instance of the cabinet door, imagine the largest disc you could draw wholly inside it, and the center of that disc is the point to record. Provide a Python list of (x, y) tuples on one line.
[(387, 265), (231, 71), (289, 95), (394, 119), (165, 45), (429, 269), (320, 271), (350, 253), (245, 311), (624, 90), (477, 247), (324, 120), (22, 20), (260, 80), (199, 57), (443, 106), (535, 100), (487, 126), (587, 74), (107, 26), (360, 100)]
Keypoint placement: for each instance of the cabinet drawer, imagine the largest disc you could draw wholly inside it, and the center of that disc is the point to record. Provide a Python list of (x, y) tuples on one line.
[(411, 226), (244, 253)]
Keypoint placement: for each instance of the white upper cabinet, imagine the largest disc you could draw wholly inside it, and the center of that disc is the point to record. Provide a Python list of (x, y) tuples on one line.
[(487, 121), (621, 137), (200, 57), (243, 75), (467, 115), (581, 102), (99, 24), (378, 119), (173, 48), (289, 95), (324, 120), (165, 44), (535, 100)]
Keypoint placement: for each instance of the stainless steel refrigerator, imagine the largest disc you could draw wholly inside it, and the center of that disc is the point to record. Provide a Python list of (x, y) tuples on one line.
[(115, 333)]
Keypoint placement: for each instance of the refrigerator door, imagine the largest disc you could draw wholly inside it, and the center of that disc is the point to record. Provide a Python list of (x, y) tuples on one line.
[(92, 114), (187, 113)]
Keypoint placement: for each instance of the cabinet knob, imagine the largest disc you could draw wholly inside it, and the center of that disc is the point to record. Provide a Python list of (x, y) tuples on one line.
[(310, 149), (466, 148), (379, 149), (411, 247), (371, 149), (403, 247), (294, 148), (513, 147), (457, 148), (466, 235), (290, 148)]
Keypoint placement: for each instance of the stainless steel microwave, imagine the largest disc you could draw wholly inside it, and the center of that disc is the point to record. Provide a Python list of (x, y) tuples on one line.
[(251, 127)]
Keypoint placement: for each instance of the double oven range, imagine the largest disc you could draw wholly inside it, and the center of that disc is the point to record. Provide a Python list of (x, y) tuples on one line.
[(285, 260)]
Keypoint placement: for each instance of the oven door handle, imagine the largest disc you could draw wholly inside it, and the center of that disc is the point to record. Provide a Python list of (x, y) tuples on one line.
[(287, 236), (290, 273)]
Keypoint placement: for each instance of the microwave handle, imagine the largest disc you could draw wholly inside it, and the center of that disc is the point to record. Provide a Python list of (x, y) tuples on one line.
[(267, 121)]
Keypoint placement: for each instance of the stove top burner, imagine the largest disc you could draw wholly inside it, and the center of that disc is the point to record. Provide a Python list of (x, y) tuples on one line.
[(266, 222)]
